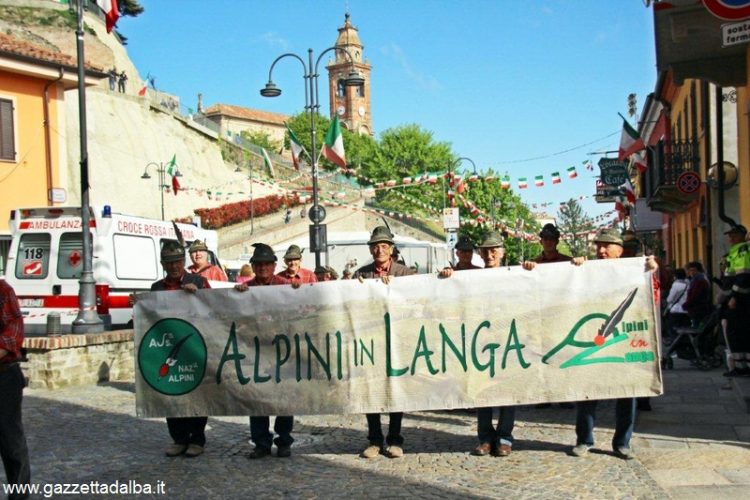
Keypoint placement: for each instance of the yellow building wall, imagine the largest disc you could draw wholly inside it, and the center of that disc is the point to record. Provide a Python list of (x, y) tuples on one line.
[(24, 182)]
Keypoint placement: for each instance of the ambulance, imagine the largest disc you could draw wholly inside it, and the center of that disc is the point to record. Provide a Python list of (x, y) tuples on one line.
[(46, 259)]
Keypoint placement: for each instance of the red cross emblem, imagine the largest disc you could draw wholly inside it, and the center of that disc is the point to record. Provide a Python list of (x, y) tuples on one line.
[(74, 258)]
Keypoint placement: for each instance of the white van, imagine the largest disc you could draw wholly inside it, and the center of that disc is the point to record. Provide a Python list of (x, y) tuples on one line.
[(46, 259)]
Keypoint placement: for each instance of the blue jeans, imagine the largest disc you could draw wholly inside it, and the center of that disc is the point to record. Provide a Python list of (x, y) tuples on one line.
[(487, 432), (375, 430), (263, 438), (13, 448), (624, 422)]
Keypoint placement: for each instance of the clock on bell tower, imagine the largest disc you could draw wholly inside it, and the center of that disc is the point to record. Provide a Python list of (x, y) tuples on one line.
[(350, 104)]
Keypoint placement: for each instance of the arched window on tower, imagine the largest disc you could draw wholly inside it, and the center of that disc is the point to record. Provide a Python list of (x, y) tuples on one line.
[(360, 90), (340, 89)]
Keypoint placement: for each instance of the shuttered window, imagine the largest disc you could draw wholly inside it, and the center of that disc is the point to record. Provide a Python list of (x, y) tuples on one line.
[(7, 132)]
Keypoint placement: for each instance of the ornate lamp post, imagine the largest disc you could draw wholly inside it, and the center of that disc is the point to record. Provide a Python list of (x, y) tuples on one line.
[(318, 240), (162, 174)]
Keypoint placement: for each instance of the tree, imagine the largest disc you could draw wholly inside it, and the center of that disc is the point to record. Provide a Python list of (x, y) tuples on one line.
[(262, 139), (129, 8), (573, 221)]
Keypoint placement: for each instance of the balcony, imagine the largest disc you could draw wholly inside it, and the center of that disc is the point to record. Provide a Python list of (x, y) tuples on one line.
[(669, 161)]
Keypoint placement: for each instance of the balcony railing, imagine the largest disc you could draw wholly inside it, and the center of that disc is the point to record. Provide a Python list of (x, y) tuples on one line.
[(669, 161), (679, 157)]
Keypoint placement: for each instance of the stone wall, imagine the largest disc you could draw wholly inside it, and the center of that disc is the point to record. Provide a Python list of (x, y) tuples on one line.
[(55, 362)]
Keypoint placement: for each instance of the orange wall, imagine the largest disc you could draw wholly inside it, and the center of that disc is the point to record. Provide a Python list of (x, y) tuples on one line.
[(24, 182)]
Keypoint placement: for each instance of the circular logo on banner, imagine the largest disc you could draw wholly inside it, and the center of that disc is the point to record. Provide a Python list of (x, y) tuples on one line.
[(172, 357), (688, 182), (729, 9)]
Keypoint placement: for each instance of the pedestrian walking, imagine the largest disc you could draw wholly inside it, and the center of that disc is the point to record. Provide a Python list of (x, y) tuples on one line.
[(13, 448), (738, 275), (112, 78), (122, 81)]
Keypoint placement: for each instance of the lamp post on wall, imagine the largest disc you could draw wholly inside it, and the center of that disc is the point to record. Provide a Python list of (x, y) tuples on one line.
[(318, 238), (161, 170)]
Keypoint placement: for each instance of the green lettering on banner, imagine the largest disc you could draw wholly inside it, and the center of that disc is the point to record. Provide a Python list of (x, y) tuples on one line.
[(474, 359), (235, 356), (513, 344), (363, 351), (460, 356), (279, 361), (257, 378), (299, 358), (354, 341), (324, 363), (389, 370), (339, 375), (422, 351)]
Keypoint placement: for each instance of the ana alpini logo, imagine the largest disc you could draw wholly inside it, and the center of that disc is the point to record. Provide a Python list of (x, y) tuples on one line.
[(172, 357)]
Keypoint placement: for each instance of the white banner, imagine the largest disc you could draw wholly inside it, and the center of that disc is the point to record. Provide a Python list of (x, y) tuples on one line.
[(490, 337)]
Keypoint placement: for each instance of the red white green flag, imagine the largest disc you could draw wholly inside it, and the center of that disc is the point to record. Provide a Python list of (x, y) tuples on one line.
[(556, 178), (539, 181), (111, 12), (505, 182), (297, 148), (572, 174), (333, 149), (640, 162), (172, 172), (267, 162), (627, 189), (630, 141), (522, 183)]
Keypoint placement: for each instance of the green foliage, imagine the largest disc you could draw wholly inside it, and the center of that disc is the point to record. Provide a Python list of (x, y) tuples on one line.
[(573, 220), (262, 139), (29, 16), (130, 8)]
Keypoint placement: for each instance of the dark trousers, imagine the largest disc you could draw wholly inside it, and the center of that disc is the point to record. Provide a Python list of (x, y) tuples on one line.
[(263, 438), (188, 430), (375, 430), (487, 432), (624, 422), (13, 448), (739, 326)]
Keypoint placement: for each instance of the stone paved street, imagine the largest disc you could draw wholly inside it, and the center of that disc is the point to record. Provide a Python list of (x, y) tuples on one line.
[(695, 444)]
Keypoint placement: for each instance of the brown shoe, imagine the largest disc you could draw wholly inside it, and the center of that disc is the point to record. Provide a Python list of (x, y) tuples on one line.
[(174, 449), (394, 451), (502, 451), (482, 449), (193, 451), (371, 451), (259, 452)]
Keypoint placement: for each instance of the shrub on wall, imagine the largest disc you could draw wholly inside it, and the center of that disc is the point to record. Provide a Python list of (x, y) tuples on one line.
[(234, 213)]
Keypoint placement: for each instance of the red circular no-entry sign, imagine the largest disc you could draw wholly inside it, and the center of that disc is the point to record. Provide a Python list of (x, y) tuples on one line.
[(733, 10), (688, 182)]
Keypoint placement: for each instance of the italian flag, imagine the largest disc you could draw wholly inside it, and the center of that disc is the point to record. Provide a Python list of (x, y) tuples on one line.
[(572, 174), (333, 149), (297, 148), (522, 184), (539, 181), (627, 189), (630, 141), (556, 178), (172, 172), (505, 182), (640, 162), (267, 161), (111, 12)]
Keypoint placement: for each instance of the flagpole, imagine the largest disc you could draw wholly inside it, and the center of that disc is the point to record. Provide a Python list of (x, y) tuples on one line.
[(87, 320)]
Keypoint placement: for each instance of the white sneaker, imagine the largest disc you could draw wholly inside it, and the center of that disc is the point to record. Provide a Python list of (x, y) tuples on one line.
[(580, 450)]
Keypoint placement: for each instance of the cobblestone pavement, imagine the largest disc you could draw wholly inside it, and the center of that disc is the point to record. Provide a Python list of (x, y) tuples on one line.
[(694, 444)]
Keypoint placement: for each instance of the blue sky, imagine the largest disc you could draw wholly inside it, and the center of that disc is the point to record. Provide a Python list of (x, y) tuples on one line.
[(502, 80)]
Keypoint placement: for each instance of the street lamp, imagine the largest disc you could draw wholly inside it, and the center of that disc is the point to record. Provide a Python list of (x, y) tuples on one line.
[(318, 240), (162, 171)]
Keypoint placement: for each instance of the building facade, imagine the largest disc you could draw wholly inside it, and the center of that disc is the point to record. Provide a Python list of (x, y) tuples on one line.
[(351, 104)]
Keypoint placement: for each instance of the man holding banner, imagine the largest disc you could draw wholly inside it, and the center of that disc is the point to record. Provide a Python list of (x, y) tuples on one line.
[(609, 245), (264, 266), (383, 267)]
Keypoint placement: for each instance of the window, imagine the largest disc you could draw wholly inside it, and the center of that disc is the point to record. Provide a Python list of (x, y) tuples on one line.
[(135, 258), (360, 90), (32, 261), (7, 132), (70, 256), (340, 89)]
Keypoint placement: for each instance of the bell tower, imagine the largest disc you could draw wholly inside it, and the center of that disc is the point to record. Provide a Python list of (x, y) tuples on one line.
[(351, 104)]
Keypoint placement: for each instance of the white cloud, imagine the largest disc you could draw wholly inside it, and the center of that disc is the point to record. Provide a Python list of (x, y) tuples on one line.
[(274, 40), (425, 82)]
